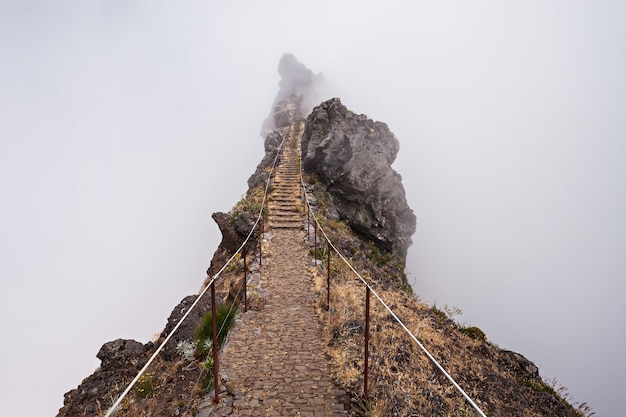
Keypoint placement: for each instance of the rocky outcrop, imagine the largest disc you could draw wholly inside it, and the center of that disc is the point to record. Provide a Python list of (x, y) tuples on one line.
[(120, 361), (352, 155), (299, 88), (119, 353), (187, 329), (235, 227)]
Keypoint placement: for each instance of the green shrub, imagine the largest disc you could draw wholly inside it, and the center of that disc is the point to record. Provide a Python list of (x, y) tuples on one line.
[(145, 386), (208, 380), (539, 387), (375, 254), (225, 319), (474, 333)]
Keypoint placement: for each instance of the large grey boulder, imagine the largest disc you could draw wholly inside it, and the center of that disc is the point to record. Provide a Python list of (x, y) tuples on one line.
[(187, 329), (119, 353), (352, 155)]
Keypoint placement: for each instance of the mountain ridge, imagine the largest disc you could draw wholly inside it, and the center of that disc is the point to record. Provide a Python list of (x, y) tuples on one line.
[(503, 382)]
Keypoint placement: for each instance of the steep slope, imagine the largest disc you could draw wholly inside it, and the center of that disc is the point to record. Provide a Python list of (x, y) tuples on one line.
[(360, 204)]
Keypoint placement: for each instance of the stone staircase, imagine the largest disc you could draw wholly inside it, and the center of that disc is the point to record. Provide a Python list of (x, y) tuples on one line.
[(285, 205), (273, 363)]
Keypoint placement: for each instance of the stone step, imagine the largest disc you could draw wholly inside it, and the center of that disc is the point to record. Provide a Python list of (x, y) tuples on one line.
[(285, 196), (287, 184), (284, 207), (285, 213), (284, 225), (292, 222), (286, 188), (283, 202)]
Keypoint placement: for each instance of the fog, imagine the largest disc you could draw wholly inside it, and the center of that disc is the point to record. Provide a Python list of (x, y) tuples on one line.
[(124, 125)]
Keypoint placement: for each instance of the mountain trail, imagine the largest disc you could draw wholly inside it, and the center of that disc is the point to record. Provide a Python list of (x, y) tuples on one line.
[(274, 362)]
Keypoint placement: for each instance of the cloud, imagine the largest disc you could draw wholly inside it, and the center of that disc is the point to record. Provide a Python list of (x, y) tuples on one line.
[(126, 125)]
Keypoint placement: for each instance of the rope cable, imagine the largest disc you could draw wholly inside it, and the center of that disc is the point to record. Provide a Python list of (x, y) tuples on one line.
[(112, 409), (406, 329)]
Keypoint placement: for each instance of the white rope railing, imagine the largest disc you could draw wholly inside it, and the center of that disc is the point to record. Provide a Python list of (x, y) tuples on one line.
[(112, 409), (396, 318), (119, 400)]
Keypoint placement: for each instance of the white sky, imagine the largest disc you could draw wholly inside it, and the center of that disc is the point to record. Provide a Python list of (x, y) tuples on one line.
[(124, 125)]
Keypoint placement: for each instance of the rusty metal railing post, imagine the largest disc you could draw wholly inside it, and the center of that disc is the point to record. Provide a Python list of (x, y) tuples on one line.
[(367, 340), (215, 356), (328, 276), (315, 241), (262, 230), (308, 222), (245, 284)]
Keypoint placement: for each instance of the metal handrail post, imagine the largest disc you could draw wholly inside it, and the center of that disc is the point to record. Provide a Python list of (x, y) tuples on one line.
[(315, 242), (328, 276), (245, 284), (216, 400), (367, 341)]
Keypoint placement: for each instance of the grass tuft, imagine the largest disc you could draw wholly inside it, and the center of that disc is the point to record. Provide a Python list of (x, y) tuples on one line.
[(225, 320)]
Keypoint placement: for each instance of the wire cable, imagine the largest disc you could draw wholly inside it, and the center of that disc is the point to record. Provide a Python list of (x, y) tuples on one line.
[(396, 318), (112, 409)]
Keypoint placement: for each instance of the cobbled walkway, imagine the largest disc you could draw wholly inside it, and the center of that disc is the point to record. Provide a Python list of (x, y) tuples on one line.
[(274, 360), (273, 363)]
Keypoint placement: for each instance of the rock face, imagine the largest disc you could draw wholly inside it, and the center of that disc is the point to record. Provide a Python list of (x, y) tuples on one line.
[(120, 352), (187, 329), (298, 81), (352, 155), (235, 228), (120, 361)]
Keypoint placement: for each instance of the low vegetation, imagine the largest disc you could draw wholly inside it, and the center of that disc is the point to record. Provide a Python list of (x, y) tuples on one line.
[(402, 380), (145, 386), (225, 319)]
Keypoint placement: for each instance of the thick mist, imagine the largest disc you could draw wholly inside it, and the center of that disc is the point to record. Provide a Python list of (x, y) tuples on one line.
[(124, 126)]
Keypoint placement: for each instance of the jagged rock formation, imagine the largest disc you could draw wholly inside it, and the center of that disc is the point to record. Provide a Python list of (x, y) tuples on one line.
[(352, 155), (187, 329), (121, 359), (119, 353), (235, 227), (296, 81)]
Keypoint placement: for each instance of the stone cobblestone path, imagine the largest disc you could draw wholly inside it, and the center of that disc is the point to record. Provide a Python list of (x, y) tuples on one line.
[(274, 363)]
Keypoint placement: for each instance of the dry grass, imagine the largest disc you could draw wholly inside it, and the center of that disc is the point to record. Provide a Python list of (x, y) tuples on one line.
[(402, 380)]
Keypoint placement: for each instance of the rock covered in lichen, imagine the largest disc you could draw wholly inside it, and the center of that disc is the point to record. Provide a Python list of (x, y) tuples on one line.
[(352, 155)]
